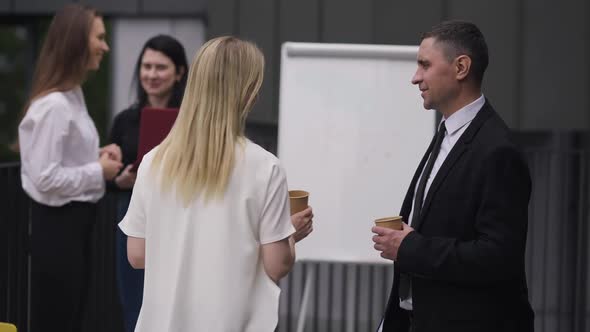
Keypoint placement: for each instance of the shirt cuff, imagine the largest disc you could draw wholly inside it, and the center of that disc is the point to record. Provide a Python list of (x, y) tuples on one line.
[(97, 179)]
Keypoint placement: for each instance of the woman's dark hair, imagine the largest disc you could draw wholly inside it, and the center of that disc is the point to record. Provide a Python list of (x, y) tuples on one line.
[(171, 48)]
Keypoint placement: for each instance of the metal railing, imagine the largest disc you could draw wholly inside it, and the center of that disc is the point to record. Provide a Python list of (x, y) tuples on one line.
[(350, 297)]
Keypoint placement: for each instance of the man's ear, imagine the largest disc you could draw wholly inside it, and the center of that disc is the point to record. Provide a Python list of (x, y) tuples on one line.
[(462, 66)]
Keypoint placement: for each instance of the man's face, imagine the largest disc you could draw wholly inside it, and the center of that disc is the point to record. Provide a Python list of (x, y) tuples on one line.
[(435, 76)]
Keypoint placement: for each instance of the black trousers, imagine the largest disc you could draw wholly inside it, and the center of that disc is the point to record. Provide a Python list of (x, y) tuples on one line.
[(60, 265)]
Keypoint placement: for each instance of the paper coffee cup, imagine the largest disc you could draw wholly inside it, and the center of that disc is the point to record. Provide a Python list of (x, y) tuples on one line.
[(298, 200), (390, 222)]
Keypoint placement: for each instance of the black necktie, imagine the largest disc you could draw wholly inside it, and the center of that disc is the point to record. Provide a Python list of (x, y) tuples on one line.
[(404, 281)]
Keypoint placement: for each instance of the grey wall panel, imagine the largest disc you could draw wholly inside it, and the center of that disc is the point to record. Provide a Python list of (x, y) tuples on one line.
[(156, 7), (115, 7), (401, 22), (39, 6), (499, 22), (5, 6), (555, 65), (173, 7), (223, 19), (258, 22), (347, 21), (299, 20)]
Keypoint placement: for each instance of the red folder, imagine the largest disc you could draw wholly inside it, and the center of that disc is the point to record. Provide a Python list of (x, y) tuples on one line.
[(154, 126)]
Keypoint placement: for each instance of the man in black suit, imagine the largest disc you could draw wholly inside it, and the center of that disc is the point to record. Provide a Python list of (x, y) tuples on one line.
[(459, 261)]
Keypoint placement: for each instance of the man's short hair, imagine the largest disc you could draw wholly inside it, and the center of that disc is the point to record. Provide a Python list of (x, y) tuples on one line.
[(462, 38)]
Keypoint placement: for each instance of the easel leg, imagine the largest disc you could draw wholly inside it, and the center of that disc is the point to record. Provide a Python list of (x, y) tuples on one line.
[(309, 281)]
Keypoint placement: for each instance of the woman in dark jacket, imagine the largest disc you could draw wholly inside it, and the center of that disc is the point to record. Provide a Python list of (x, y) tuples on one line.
[(160, 77)]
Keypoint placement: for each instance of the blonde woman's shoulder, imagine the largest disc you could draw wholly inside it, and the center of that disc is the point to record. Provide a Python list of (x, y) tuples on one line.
[(147, 160), (260, 164), (256, 153)]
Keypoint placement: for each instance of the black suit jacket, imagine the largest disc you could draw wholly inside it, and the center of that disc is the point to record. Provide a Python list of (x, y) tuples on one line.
[(466, 255)]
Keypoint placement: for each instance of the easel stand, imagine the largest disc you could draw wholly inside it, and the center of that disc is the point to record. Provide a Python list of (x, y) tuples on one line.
[(309, 281)]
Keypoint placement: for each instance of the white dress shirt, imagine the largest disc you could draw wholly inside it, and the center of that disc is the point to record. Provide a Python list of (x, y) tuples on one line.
[(59, 149), (456, 125)]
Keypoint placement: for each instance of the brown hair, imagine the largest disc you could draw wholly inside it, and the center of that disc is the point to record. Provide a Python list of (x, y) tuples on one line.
[(63, 61)]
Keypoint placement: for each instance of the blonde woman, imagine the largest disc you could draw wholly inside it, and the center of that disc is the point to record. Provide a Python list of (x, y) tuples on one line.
[(209, 215), (62, 168)]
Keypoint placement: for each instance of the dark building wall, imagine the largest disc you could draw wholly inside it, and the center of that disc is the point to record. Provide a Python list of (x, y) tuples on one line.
[(109, 7), (4, 5), (538, 79), (538, 76)]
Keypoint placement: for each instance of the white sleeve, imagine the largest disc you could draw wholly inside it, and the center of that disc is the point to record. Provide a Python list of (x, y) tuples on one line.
[(42, 148), (275, 221), (133, 224)]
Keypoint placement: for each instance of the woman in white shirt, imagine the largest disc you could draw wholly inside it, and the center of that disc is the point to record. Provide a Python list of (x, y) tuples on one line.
[(63, 170), (209, 214)]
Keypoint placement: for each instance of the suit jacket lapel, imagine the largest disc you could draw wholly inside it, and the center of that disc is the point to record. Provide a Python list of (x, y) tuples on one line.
[(407, 204), (393, 302), (457, 151)]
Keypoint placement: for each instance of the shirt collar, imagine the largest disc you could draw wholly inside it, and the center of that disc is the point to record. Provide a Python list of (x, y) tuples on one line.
[(464, 115)]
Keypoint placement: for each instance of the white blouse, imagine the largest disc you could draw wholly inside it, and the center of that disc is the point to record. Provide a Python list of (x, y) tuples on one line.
[(59, 149), (203, 268)]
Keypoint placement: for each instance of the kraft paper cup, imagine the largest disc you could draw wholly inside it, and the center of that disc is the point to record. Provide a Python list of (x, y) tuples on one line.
[(298, 200), (390, 222)]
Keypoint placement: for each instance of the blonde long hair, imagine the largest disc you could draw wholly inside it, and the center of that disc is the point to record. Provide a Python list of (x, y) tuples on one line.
[(198, 155)]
